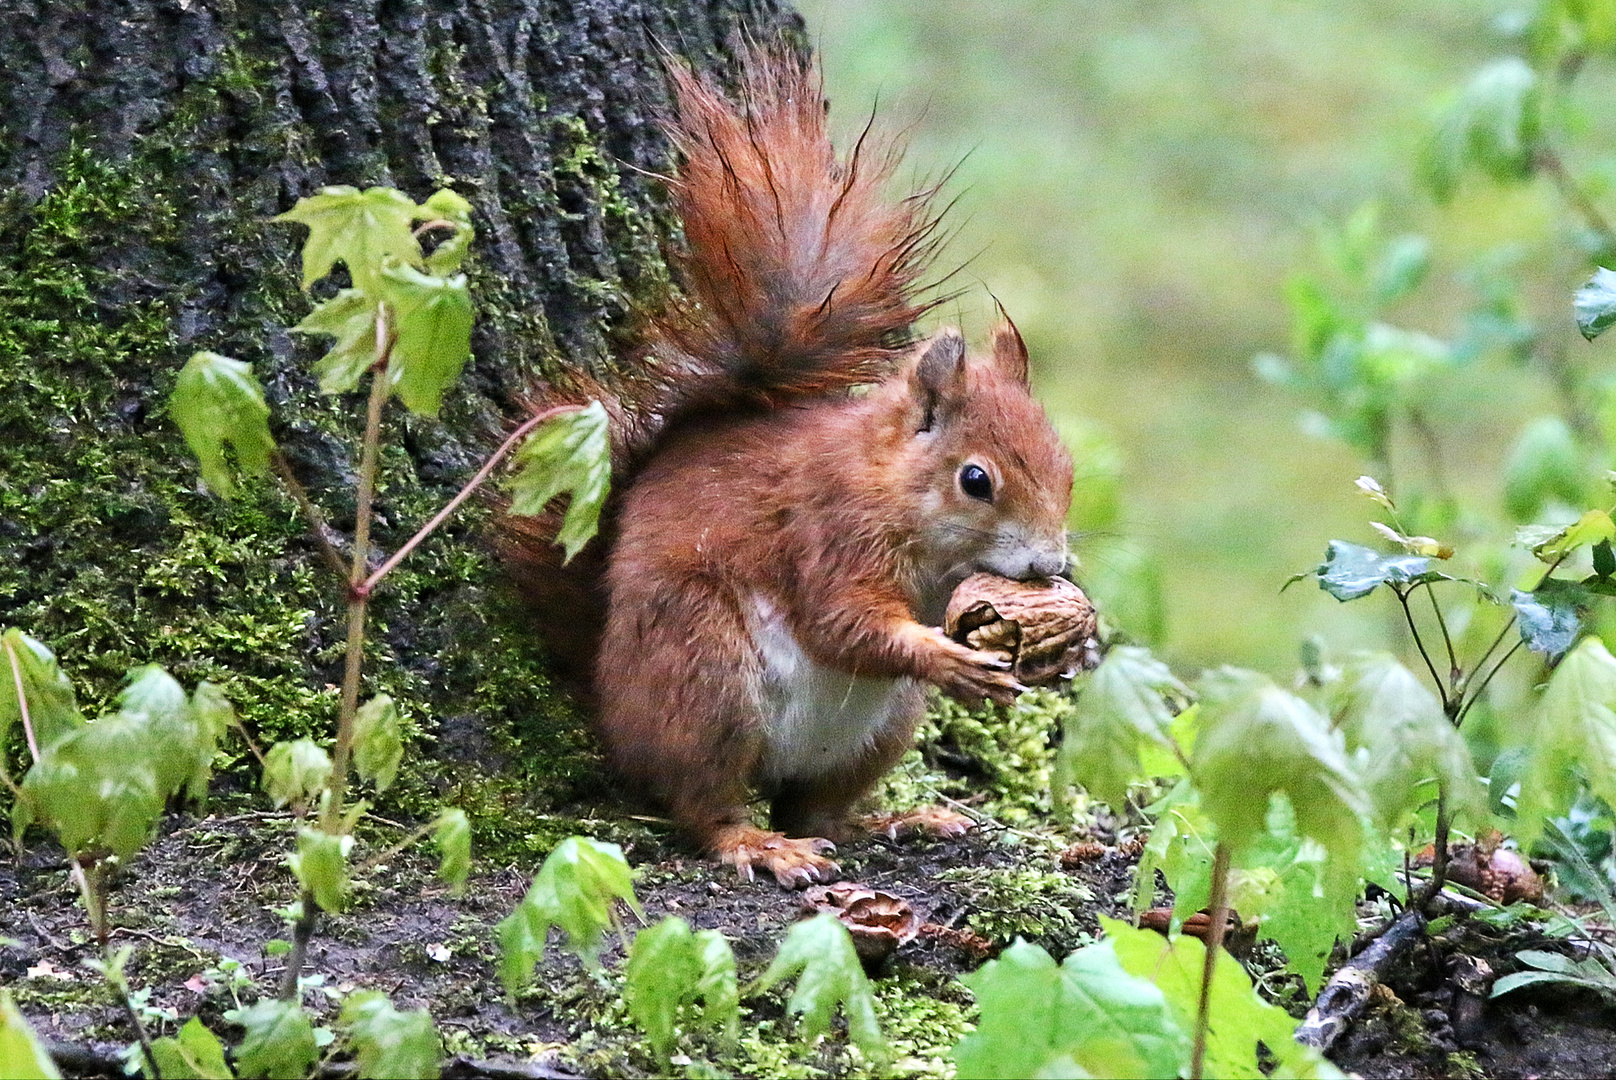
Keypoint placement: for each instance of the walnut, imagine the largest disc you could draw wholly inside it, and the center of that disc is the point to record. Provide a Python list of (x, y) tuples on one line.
[(878, 921), (1044, 629)]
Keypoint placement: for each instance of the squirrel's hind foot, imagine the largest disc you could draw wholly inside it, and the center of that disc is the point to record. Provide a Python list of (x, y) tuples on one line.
[(934, 821), (795, 863)]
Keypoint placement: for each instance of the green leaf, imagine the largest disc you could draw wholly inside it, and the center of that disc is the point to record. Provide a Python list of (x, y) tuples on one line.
[(1121, 706), (196, 1054), (1492, 126), (1352, 570), (279, 1042), (452, 835), (1551, 544), (451, 252), (350, 317), (1380, 707), (819, 953), (1088, 1011), (574, 890), (1571, 741), (1255, 740), (1550, 617), (1604, 559), (1401, 268), (391, 1045), (378, 741), (53, 710), (669, 969), (295, 772), (1238, 1018), (1544, 466), (567, 454), (98, 787), (432, 323), (182, 748), (320, 865), (22, 1055), (216, 401), (359, 228), (1595, 304)]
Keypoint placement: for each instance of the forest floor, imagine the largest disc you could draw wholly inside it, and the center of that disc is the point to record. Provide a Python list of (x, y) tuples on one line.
[(205, 894)]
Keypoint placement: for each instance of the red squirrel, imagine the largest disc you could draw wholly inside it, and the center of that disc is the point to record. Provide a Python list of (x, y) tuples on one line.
[(797, 488)]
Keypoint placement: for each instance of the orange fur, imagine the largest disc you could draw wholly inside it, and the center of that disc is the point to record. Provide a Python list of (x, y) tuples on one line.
[(778, 551)]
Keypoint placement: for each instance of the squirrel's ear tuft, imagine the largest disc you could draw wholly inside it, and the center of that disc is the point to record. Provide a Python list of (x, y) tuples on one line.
[(938, 377), (1009, 351)]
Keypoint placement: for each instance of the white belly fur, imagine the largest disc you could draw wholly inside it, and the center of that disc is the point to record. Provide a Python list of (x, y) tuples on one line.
[(815, 718)]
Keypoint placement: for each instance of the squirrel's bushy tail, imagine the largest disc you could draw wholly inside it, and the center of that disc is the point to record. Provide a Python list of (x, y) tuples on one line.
[(799, 275)]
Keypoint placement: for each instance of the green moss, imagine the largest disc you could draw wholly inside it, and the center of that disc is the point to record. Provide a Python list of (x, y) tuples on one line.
[(1048, 908)]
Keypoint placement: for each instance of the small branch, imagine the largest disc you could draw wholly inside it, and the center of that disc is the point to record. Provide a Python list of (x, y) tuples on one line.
[(1219, 909), (1483, 684), (465, 493), (302, 933), (1454, 672), (317, 524), (141, 1033), (1549, 162), (1439, 851), (436, 223), (1402, 598), (397, 849), (1347, 992), (22, 700)]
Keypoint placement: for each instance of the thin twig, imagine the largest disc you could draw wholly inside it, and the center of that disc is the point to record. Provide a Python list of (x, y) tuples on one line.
[(1214, 941), (302, 932), (1439, 850), (1402, 598), (465, 493), (1549, 161), (317, 524), (1454, 674), (1483, 684)]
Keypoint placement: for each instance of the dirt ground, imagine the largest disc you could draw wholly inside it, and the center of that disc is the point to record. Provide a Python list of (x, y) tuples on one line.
[(207, 891)]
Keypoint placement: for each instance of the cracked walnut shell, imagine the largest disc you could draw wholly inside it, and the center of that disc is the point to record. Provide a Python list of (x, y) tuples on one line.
[(1044, 629)]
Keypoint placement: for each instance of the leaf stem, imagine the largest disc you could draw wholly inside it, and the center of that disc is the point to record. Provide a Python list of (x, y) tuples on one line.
[(1483, 684), (1402, 598), (317, 524), (22, 700), (1454, 672), (465, 493), (1439, 856), (1214, 941), (1550, 162)]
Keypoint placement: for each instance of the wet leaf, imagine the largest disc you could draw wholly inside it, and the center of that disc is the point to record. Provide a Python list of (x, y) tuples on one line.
[(1088, 1011), (22, 1055), (98, 787), (320, 865), (432, 326), (452, 834), (216, 401), (53, 710), (1595, 304), (279, 1040), (1121, 707), (378, 741), (1352, 570), (350, 317), (390, 1044), (1570, 741), (295, 772), (819, 953), (357, 228), (574, 890), (567, 454), (1550, 617)]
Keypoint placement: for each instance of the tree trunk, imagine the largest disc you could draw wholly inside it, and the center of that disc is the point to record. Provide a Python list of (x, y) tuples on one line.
[(144, 145)]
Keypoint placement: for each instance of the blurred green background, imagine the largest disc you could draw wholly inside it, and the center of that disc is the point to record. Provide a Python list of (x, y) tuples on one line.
[(1139, 182)]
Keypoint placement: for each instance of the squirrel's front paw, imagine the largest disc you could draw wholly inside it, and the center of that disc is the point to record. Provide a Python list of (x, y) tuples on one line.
[(795, 863), (970, 676)]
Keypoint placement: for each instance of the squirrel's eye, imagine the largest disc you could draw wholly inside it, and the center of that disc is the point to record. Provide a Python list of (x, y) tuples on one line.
[(974, 481)]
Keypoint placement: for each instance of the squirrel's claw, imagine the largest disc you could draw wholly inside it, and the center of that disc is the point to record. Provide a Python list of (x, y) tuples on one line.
[(795, 863)]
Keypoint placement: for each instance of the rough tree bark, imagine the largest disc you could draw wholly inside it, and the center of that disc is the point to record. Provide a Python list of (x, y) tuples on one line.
[(144, 144)]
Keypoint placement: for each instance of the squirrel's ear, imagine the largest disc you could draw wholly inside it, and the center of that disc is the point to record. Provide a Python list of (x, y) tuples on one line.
[(938, 377), (1009, 351)]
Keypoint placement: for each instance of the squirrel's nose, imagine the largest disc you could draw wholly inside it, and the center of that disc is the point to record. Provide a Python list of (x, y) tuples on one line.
[(1046, 565)]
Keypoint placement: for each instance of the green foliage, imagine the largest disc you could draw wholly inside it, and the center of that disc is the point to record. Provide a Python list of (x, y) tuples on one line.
[(1571, 741), (434, 334), (194, 1054), (52, 707), (452, 835), (279, 1040), (1350, 571), (1038, 1019), (378, 741), (673, 972), (320, 865), (360, 229), (566, 454), (1550, 616), (1121, 707), (389, 1044), (1589, 973), (21, 1053), (351, 319), (1239, 1019), (1544, 467), (574, 890), (1406, 741), (1492, 127), (217, 401), (295, 772), (819, 953)]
